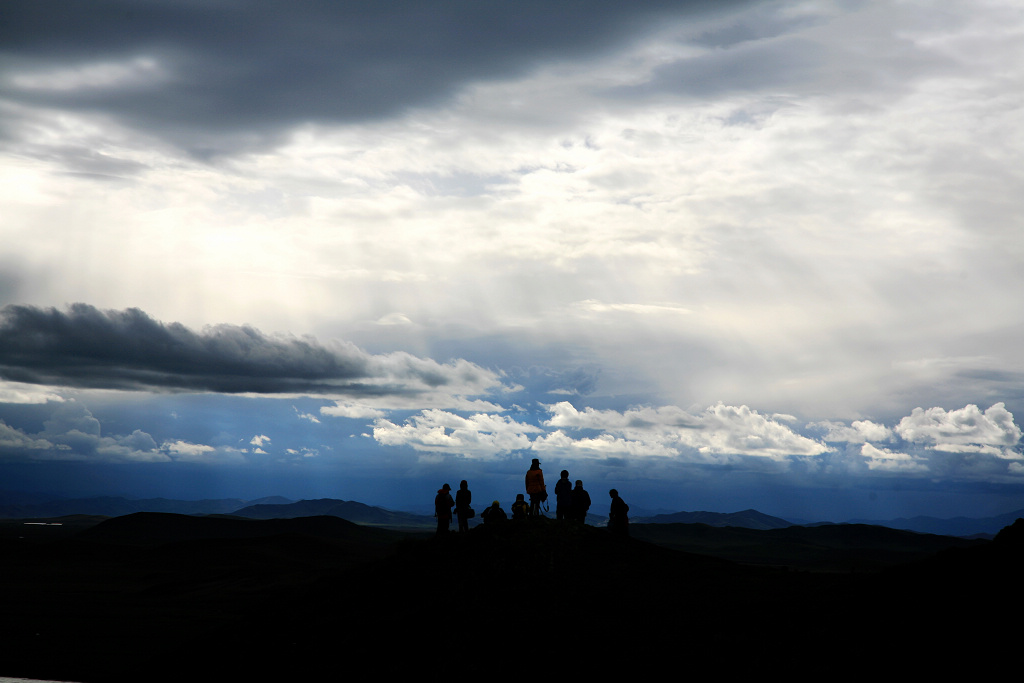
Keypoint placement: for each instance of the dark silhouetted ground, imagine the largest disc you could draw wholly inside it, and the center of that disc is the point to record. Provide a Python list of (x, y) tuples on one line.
[(158, 597)]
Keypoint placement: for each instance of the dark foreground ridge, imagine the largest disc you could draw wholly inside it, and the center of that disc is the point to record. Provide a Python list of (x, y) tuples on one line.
[(161, 597)]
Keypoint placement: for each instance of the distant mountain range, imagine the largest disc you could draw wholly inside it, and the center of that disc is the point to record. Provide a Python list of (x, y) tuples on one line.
[(957, 526), (359, 513), (19, 506), (13, 507), (748, 519)]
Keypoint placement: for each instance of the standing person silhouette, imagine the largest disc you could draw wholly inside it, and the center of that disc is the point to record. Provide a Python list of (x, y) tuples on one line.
[(580, 502), (443, 509), (563, 497), (463, 497), (618, 522), (535, 487)]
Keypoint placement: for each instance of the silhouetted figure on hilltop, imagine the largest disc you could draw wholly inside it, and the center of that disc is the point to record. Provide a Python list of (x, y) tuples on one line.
[(618, 521), (443, 504), (462, 509), (494, 515), (520, 508), (563, 497), (535, 487), (580, 502)]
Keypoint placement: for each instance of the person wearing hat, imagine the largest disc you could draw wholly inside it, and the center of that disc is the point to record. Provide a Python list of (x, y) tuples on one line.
[(443, 505), (535, 487)]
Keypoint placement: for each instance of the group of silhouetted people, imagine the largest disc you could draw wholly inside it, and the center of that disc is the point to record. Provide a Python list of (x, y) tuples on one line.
[(443, 504), (571, 504)]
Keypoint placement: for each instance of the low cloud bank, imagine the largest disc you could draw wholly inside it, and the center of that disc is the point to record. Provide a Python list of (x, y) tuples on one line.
[(86, 347), (710, 436), (966, 443)]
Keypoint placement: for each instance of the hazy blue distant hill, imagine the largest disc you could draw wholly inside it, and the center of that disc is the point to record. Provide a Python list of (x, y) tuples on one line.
[(114, 506), (24, 498), (748, 519), (956, 526), (752, 519), (17, 505), (346, 509)]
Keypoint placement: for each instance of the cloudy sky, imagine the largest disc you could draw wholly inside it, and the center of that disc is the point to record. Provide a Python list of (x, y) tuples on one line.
[(718, 255)]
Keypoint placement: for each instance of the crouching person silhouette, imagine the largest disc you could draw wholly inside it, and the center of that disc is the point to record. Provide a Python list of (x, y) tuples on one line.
[(494, 515), (520, 508)]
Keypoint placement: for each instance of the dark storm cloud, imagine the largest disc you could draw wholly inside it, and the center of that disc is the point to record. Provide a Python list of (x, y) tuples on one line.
[(232, 73), (90, 348)]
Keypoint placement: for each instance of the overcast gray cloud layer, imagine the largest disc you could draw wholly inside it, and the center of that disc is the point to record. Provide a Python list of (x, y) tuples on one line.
[(781, 237), (216, 76)]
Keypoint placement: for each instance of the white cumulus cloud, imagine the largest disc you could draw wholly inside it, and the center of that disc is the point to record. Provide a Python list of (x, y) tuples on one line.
[(438, 431), (885, 460), (966, 430)]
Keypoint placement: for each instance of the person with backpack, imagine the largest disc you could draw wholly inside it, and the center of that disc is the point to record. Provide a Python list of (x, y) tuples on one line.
[(520, 508), (535, 487), (494, 515)]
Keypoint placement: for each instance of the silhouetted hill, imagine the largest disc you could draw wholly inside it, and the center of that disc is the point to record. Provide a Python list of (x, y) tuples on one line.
[(161, 597), (844, 547), (154, 528), (1011, 537), (345, 509), (750, 519), (47, 529), (950, 603)]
